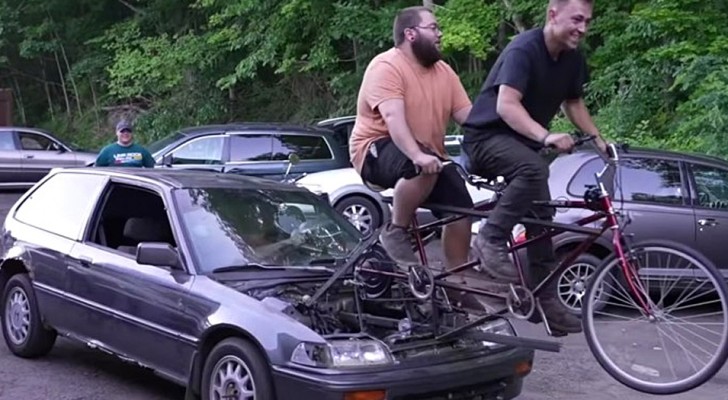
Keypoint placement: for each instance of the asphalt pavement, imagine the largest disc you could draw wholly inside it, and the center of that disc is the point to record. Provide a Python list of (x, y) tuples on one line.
[(73, 372)]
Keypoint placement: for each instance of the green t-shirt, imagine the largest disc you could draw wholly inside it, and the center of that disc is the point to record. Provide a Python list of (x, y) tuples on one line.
[(116, 155)]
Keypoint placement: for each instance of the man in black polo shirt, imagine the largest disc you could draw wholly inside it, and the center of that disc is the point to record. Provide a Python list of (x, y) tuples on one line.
[(540, 71)]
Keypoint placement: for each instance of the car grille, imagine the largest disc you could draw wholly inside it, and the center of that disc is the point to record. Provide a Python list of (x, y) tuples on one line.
[(490, 391)]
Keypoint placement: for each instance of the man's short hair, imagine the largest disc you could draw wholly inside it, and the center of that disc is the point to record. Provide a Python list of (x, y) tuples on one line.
[(406, 18)]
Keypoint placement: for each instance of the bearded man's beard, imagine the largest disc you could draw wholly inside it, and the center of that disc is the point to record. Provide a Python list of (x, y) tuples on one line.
[(426, 52)]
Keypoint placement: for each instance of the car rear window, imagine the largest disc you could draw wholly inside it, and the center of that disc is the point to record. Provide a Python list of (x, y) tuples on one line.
[(638, 179), (305, 146), (62, 204)]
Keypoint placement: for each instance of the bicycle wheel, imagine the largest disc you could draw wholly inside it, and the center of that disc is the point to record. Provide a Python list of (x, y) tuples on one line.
[(681, 342)]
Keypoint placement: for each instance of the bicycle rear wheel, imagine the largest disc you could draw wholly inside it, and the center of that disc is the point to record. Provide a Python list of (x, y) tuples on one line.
[(681, 342)]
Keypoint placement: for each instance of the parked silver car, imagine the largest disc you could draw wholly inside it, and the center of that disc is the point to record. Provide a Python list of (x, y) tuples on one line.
[(28, 154), (663, 194)]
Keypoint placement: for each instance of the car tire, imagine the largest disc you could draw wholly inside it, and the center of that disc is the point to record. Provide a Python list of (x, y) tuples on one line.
[(367, 215), (572, 283), (235, 364), (23, 329)]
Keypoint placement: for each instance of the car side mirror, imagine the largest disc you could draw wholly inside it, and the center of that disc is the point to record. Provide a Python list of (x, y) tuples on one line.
[(158, 254), (293, 158), (167, 160)]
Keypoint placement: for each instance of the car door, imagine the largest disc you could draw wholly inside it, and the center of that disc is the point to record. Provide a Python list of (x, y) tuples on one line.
[(206, 152), (711, 211), (11, 166), (136, 310), (251, 155), (40, 153), (653, 193), (51, 219)]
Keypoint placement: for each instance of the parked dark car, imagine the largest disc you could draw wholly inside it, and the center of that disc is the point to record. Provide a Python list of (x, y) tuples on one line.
[(28, 154), (665, 195), (210, 280), (254, 149)]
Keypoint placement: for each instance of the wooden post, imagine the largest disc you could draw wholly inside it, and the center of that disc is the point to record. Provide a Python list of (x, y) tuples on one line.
[(6, 107)]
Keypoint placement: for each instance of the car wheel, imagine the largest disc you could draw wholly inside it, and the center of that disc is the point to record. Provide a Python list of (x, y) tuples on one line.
[(361, 212), (572, 282), (23, 329), (236, 370)]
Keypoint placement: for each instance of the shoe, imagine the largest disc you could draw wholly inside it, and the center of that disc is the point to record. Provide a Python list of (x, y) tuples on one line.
[(495, 261), (560, 320), (396, 242)]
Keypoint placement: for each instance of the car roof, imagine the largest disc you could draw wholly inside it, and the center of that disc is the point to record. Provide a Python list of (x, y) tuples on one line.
[(174, 178), (252, 126), (25, 128), (652, 152)]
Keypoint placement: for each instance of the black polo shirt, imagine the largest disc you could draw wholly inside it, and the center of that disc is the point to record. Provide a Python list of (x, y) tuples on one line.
[(525, 64)]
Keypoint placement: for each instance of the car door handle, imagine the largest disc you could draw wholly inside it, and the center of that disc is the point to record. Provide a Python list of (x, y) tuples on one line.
[(707, 222), (29, 156), (86, 261)]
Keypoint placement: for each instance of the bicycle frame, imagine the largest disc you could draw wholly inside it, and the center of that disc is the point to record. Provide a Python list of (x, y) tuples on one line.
[(603, 210)]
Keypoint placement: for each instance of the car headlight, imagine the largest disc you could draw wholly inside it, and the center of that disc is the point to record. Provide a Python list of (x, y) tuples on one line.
[(498, 327), (342, 354)]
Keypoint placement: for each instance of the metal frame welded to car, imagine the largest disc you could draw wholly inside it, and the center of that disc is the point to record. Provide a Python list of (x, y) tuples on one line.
[(594, 200)]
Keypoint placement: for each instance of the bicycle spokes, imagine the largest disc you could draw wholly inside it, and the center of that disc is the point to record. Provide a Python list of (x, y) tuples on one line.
[(675, 346)]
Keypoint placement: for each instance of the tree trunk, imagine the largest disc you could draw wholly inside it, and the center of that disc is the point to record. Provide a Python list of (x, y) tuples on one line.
[(96, 103), (517, 21), (47, 90), (63, 84), (19, 101), (70, 76)]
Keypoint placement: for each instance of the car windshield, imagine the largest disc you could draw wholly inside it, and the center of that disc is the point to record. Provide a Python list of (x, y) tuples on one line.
[(164, 142), (236, 227)]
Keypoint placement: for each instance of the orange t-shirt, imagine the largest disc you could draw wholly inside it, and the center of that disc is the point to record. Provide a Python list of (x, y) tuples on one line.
[(431, 96)]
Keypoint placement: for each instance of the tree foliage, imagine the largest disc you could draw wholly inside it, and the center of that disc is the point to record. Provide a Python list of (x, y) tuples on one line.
[(659, 75)]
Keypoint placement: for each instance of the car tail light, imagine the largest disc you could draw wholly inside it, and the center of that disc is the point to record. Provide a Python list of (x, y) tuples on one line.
[(367, 395)]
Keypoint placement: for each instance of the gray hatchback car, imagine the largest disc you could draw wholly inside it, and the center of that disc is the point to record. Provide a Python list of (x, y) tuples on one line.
[(664, 195), (227, 285)]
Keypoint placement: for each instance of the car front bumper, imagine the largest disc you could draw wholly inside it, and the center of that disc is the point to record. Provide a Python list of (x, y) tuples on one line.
[(487, 377)]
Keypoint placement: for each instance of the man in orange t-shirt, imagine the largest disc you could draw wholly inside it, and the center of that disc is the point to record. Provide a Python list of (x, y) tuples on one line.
[(407, 97)]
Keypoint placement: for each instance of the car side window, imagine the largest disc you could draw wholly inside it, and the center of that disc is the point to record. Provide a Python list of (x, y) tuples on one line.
[(7, 143), (33, 141), (711, 186), (206, 150), (649, 180), (638, 179), (56, 209), (251, 147), (305, 146), (131, 215)]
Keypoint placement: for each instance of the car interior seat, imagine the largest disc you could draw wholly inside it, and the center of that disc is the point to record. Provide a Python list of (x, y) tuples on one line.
[(140, 229)]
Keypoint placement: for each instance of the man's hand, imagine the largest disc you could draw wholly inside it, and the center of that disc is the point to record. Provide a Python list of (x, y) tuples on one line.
[(562, 142), (601, 143), (429, 164)]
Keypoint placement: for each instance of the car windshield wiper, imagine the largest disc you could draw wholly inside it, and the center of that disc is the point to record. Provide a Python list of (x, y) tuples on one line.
[(249, 266), (326, 261)]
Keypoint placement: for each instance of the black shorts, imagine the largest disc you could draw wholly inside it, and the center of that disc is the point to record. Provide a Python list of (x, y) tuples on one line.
[(389, 165)]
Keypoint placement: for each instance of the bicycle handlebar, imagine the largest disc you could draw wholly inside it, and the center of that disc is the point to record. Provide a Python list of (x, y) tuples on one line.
[(499, 183)]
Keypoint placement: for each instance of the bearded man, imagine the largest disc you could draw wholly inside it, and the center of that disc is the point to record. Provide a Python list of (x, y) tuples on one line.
[(407, 97)]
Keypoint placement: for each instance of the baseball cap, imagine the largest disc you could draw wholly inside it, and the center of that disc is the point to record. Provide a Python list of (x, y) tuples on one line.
[(121, 125)]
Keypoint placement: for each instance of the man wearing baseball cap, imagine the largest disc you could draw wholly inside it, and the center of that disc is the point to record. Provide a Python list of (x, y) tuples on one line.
[(124, 153)]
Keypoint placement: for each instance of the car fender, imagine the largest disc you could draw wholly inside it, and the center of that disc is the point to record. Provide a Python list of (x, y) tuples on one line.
[(274, 332)]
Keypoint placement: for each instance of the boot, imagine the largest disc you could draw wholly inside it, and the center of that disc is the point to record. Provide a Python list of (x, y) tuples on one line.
[(396, 241), (494, 257)]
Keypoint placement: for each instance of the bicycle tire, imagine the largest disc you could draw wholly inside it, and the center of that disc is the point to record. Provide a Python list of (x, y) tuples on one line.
[(680, 386)]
